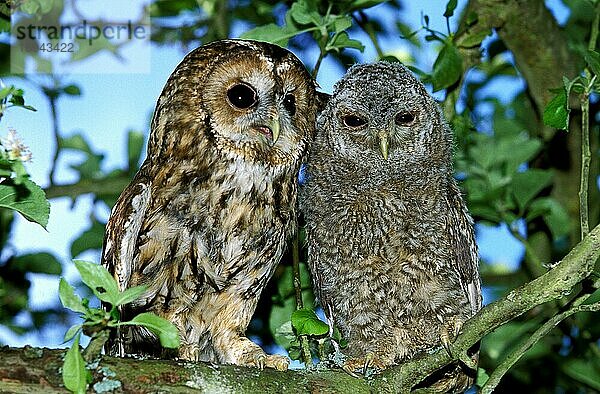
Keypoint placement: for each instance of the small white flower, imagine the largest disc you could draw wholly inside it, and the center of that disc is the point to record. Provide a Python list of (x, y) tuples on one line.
[(14, 147)]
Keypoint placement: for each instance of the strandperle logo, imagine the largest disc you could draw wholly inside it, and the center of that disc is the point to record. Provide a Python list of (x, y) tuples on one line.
[(69, 39), (83, 31)]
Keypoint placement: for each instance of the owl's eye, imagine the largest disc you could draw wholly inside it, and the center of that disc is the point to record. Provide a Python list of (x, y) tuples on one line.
[(289, 102), (353, 121), (242, 96), (404, 118)]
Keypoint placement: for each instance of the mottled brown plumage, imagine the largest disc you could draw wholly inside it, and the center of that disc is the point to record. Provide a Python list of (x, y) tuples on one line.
[(390, 242), (205, 221)]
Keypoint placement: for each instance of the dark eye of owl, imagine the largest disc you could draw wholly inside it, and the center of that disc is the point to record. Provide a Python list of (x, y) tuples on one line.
[(404, 118), (289, 102), (353, 121), (242, 96)]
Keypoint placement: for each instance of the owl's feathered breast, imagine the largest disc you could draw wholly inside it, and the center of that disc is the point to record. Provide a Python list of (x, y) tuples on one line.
[(208, 224)]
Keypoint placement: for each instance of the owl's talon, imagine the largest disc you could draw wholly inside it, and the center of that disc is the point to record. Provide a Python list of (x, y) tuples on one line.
[(368, 361), (277, 362), (445, 340), (350, 370), (260, 361), (449, 332)]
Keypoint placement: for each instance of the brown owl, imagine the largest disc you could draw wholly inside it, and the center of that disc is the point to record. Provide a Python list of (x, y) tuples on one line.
[(390, 242), (205, 220)]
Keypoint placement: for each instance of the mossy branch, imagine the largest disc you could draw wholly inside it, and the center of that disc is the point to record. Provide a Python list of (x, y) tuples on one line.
[(156, 375)]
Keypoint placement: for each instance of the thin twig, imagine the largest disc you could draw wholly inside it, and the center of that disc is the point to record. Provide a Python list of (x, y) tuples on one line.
[(585, 164), (304, 346), (531, 340), (51, 94), (315, 71), (585, 134), (367, 27)]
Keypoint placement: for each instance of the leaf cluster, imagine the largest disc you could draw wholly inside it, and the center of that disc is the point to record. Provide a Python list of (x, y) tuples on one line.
[(99, 323)]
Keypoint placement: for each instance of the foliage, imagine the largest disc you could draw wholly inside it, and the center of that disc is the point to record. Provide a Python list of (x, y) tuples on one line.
[(98, 323), (514, 168), (19, 194)]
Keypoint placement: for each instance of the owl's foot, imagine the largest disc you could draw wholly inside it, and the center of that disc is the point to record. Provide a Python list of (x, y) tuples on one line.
[(245, 352), (448, 334), (362, 365), (259, 359)]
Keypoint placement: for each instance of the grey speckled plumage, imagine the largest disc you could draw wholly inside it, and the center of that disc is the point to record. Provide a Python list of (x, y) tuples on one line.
[(390, 242), (205, 221)]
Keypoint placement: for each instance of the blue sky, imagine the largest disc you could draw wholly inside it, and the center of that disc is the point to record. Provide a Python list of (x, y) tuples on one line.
[(113, 102)]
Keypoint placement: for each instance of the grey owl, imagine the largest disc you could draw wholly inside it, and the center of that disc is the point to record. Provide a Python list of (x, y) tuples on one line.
[(205, 220), (391, 245)]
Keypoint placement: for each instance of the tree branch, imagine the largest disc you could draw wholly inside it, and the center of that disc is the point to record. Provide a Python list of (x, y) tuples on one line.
[(528, 343), (19, 373), (99, 187)]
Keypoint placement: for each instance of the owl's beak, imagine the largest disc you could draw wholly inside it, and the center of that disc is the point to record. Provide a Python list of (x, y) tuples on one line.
[(275, 128), (270, 130), (384, 145)]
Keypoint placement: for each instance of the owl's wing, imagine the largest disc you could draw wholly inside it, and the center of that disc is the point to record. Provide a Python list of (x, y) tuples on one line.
[(462, 237), (122, 231)]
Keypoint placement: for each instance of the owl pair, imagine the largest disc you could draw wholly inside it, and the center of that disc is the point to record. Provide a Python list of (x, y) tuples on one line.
[(206, 219)]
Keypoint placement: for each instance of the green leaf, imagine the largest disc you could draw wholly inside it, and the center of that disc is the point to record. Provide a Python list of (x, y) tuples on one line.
[(131, 294), (135, 146), (167, 333), (556, 113), (27, 198), (515, 151), (306, 322), (74, 374), (47, 5), (68, 298), (295, 352), (89, 239), (90, 168), (4, 92), (341, 23), (592, 58), (279, 322), (303, 13), (553, 213), (76, 142), (284, 334), (583, 371), (71, 332), (341, 41), (87, 48), (526, 185), (17, 99), (482, 377), (447, 68), (271, 33), (41, 263), (474, 39), (72, 90), (593, 298), (364, 4), (97, 278), (450, 7)]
